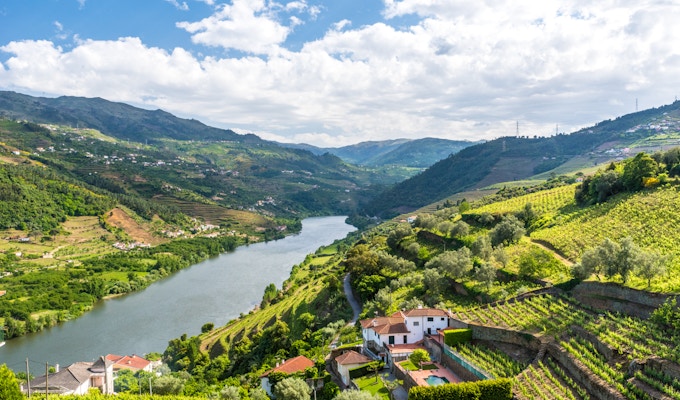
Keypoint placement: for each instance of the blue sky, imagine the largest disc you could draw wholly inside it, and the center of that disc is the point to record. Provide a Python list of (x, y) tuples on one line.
[(337, 72)]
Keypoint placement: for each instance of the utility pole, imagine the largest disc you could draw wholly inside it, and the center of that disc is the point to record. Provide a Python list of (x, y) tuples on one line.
[(28, 379), (47, 375)]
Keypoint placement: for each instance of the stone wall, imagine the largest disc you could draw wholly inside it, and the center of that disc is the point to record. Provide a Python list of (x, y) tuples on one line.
[(614, 297), (523, 339), (593, 384), (668, 367), (600, 346)]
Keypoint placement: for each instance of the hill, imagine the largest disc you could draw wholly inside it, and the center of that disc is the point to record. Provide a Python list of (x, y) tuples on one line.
[(118, 120), (416, 153), (206, 179), (517, 158)]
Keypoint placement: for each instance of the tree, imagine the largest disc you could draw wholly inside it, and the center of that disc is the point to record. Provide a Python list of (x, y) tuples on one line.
[(481, 247), (356, 395), (455, 264), (207, 327), (508, 231), (445, 227), (126, 381), (650, 265), (230, 393), (258, 394), (500, 255), (637, 169), (419, 356), (400, 231), (486, 274), (292, 389), (432, 282), (9, 387), (460, 228), (168, 384)]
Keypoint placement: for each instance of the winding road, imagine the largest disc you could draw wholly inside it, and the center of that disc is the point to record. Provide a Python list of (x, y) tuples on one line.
[(356, 307)]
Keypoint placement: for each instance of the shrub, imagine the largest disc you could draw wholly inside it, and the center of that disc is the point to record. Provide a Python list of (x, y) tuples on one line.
[(453, 337)]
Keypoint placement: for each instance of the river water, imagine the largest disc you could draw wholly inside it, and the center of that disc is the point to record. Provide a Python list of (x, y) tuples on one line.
[(216, 290)]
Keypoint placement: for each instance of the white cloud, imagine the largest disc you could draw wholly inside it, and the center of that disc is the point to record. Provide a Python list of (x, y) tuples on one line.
[(81, 3), (183, 6), (465, 70), (246, 25)]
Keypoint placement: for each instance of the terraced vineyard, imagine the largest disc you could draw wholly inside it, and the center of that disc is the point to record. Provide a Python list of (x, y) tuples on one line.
[(544, 201), (544, 314), (635, 337), (494, 362), (547, 381), (651, 219)]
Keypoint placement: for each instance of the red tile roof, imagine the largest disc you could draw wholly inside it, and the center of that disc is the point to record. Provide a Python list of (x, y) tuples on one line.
[(291, 366), (133, 362), (352, 357), (385, 325), (424, 312)]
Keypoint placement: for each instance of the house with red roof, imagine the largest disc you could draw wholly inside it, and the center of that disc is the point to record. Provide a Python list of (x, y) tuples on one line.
[(402, 329), (134, 363), (348, 361), (290, 366)]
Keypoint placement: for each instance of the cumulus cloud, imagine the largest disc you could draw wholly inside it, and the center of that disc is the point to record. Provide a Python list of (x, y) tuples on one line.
[(464, 70), (245, 25)]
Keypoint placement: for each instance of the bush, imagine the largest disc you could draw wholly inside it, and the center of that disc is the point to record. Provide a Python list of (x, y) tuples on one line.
[(496, 389), (453, 337)]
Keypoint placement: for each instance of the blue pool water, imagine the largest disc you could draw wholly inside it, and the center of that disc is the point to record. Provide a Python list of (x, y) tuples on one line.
[(434, 380)]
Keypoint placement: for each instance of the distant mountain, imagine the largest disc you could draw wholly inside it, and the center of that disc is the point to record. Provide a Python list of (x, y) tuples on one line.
[(515, 158), (418, 153), (118, 120), (181, 163)]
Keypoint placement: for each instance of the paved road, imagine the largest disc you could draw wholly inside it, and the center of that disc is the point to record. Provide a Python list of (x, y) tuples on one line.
[(356, 307)]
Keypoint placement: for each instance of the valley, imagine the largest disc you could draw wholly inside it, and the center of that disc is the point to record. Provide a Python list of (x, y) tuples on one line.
[(553, 260)]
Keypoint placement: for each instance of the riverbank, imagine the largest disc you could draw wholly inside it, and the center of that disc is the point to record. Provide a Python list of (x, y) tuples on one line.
[(216, 290)]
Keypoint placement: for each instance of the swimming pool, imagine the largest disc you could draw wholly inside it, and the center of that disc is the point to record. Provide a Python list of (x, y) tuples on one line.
[(434, 380)]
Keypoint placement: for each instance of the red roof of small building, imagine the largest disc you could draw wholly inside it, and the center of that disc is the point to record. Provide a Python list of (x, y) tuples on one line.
[(291, 366), (352, 357), (133, 362)]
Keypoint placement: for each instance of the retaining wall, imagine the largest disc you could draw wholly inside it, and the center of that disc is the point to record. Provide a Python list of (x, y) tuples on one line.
[(616, 298)]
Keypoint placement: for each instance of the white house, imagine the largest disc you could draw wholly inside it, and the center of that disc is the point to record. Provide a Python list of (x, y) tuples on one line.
[(402, 328), (347, 361), (77, 378)]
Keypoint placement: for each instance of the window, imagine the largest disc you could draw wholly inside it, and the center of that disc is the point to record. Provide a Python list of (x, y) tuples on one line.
[(391, 340), (405, 339), (416, 323), (430, 319), (442, 318)]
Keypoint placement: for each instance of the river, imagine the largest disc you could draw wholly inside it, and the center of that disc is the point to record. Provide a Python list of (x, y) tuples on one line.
[(216, 290)]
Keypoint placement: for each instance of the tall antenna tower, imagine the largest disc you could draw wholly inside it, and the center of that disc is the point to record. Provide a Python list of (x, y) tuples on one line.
[(557, 129), (517, 129)]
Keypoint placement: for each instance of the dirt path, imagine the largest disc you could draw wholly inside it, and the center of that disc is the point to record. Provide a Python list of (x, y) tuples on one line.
[(564, 261)]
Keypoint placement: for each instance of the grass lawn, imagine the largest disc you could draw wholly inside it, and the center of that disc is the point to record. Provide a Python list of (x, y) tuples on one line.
[(409, 366), (369, 384)]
